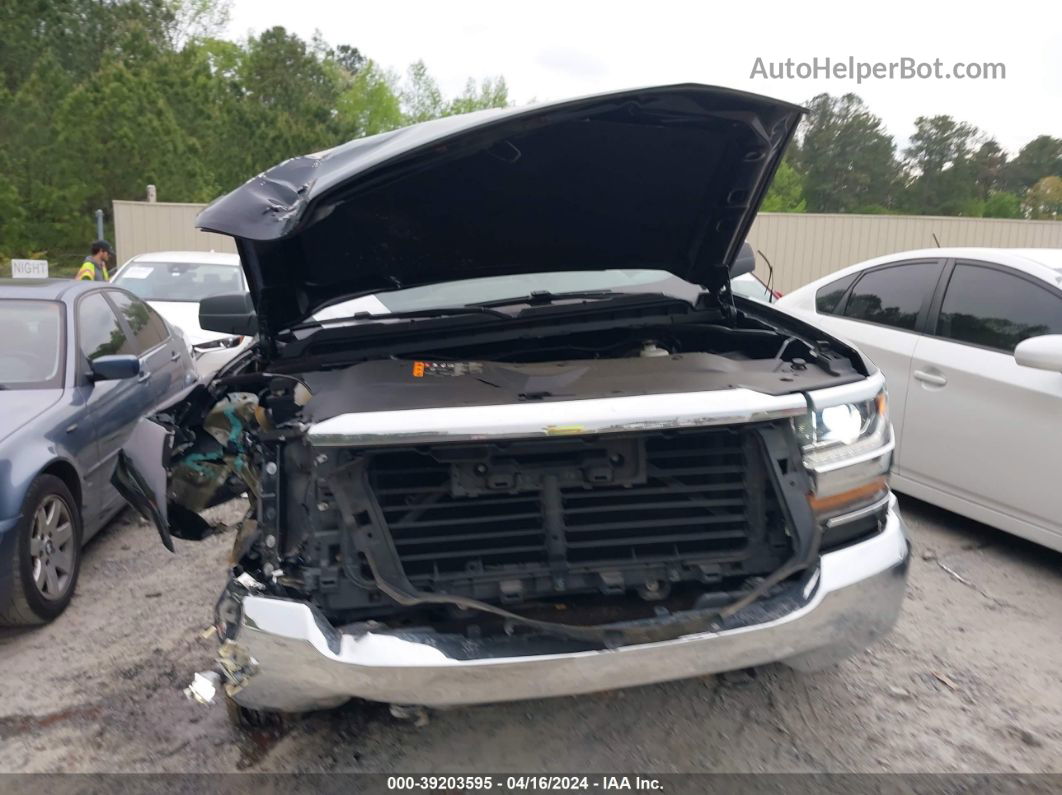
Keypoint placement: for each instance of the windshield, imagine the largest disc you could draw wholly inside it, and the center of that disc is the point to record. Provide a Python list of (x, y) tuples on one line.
[(180, 281), (37, 361), (749, 286), (496, 288)]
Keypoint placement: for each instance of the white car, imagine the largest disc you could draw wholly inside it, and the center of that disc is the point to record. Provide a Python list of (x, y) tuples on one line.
[(970, 342), (750, 286), (174, 282)]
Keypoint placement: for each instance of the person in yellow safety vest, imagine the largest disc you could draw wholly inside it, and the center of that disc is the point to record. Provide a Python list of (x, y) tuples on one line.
[(94, 268)]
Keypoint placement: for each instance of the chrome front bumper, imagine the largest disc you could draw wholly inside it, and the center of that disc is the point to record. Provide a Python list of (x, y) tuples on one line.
[(296, 661)]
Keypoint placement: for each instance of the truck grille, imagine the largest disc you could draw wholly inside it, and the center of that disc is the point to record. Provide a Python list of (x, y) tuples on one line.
[(692, 503), (697, 505)]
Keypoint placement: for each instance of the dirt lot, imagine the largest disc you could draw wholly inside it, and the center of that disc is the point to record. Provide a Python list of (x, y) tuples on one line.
[(969, 681)]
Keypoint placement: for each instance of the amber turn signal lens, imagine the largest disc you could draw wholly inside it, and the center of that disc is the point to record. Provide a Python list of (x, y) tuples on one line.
[(859, 494)]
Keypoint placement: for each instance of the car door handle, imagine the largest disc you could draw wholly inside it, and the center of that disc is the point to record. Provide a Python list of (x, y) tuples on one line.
[(174, 356), (930, 378), (144, 376)]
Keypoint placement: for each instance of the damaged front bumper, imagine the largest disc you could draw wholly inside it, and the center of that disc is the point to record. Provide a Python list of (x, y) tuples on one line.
[(297, 661)]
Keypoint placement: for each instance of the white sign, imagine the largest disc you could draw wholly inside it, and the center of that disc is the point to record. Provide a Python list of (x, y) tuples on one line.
[(29, 268)]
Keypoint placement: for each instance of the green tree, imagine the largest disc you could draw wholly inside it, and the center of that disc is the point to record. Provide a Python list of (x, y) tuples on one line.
[(786, 194), (35, 166), (280, 72), (944, 178), (989, 164), (489, 93), (350, 58), (195, 20), (81, 35), (847, 159), (100, 97), (1043, 201), (280, 99), (1001, 204), (369, 104), (1041, 157), (421, 98), (119, 130)]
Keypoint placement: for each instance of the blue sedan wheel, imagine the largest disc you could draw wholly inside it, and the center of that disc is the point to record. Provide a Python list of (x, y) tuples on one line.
[(48, 555), (52, 548)]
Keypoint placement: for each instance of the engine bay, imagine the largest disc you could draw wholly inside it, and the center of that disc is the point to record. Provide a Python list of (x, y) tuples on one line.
[(550, 363)]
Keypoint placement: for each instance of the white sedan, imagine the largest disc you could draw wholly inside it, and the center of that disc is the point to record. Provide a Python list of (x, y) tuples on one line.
[(970, 342), (750, 286), (174, 282)]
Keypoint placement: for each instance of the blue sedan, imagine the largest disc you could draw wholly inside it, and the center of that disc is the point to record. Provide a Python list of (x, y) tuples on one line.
[(80, 364)]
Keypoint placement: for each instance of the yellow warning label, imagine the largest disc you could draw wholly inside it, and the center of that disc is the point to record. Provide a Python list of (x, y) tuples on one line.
[(563, 430)]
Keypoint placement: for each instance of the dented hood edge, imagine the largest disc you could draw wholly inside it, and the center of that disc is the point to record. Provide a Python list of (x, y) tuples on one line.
[(296, 259)]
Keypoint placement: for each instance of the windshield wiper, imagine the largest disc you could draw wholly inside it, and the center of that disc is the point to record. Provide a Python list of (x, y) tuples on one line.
[(440, 311), (542, 297), (537, 298)]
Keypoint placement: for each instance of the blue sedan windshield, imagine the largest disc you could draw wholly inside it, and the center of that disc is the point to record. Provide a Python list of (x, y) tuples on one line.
[(32, 355)]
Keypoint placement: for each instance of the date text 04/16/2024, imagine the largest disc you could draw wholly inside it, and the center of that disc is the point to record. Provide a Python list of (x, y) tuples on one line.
[(534, 783)]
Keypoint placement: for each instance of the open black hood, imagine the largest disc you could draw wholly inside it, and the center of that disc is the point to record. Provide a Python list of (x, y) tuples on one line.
[(667, 177)]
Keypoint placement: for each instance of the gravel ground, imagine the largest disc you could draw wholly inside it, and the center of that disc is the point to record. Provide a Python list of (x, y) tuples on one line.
[(967, 682)]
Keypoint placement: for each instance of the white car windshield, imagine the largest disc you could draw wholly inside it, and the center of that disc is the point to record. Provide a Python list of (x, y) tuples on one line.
[(180, 281), (749, 286)]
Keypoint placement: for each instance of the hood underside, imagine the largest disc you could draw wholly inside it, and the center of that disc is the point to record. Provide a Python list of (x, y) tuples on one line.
[(666, 178)]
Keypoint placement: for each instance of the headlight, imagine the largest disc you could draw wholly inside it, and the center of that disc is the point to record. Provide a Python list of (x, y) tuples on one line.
[(847, 449), (840, 432)]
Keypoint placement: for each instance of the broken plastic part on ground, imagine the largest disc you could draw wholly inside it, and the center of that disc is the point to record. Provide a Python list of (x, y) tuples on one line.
[(204, 687)]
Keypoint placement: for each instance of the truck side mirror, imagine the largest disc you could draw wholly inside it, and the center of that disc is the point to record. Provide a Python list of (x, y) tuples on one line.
[(744, 262), (229, 314)]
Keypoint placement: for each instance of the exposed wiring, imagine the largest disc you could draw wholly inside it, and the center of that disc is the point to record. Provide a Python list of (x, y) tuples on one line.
[(770, 277)]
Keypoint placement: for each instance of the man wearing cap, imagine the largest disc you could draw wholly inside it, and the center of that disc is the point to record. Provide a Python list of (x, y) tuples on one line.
[(94, 268)]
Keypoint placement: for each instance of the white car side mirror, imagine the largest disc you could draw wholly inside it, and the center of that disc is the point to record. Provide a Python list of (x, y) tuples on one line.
[(1043, 353)]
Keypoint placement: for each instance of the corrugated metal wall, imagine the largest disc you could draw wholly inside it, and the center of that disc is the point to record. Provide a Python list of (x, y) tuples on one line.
[(140, 227), (802, 247)]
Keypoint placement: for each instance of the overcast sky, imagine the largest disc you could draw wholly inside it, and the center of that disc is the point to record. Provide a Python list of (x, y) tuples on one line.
[(552, 50)]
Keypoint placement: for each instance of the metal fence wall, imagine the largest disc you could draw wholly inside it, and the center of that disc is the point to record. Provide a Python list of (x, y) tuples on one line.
[(140, 227), (802, 247)]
